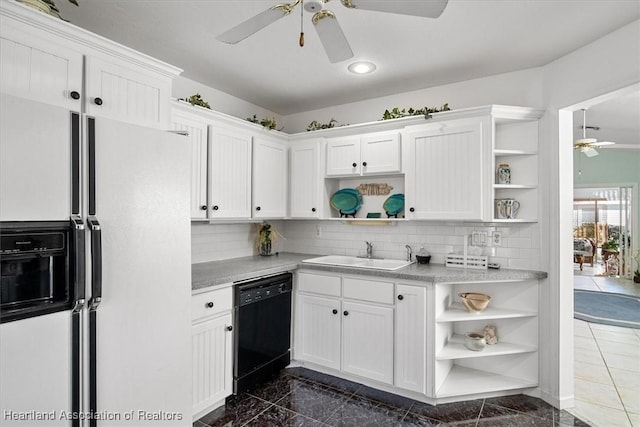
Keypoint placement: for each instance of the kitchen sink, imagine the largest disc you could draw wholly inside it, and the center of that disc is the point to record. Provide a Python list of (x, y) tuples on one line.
[(356, 262)]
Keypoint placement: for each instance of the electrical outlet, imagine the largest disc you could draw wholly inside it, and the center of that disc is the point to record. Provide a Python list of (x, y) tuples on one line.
[(318, 231), (496, 238)]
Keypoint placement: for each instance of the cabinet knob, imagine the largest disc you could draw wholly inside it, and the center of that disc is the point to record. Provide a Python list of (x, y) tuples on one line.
[(364, 164), (215, 207), (257, 208), (229, 328), (203, 207), (209, 304), (335, 311), (97, 101), (354, 164), (74, 95), (313, 209), (400, 297), (346, 313), (412, 210)]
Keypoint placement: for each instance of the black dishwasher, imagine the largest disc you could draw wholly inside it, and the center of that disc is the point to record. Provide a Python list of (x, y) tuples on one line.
[(262, 338)]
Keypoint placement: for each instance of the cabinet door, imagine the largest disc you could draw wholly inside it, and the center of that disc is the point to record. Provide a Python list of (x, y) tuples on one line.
[(445, 177), (211, 344), (122, 92), (367, 341), (197, 130), (305, 180), (343, 156), (380, 153), (270, 175), (317, 330), (411, 338), (229, 173), (40, 70)]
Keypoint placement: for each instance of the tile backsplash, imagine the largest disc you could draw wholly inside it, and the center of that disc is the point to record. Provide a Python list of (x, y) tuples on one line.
[(520, 246)]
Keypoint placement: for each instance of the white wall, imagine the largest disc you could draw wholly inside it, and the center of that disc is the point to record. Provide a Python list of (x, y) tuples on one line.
[(608, 64), (517, 88)]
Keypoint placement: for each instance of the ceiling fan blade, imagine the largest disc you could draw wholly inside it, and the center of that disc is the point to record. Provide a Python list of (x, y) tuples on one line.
[(332, 37), (589, 152), (253, 25), (424, 8), (603, 143)]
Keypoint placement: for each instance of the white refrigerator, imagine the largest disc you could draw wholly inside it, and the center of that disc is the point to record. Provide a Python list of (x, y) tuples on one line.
[(122, 356)]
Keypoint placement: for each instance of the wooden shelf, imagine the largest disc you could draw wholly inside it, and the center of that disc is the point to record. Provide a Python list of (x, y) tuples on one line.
[(455, 349), (514, 186), (466, 381), (457, 313), (500, 153)]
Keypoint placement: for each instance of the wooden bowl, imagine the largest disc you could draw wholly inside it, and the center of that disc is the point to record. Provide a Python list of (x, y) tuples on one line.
[(474, 302)]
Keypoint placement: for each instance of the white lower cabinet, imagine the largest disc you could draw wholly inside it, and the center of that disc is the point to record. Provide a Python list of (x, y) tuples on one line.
[(411, 338), (318, 327), (353, 334), (211, 344), (367, 341)]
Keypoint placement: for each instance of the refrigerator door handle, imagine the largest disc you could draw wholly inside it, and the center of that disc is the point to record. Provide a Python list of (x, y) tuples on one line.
[(94, 302), (96, 262), (75, 163), (77, 232)]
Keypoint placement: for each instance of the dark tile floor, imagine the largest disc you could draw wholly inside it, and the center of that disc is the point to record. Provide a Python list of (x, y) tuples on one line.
[(301, 397)]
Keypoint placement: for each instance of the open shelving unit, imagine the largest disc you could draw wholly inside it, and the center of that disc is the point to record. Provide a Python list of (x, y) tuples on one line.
[(516, 143), (510, 364)]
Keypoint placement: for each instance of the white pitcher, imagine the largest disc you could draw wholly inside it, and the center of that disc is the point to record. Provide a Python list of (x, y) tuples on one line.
[(507, 208)]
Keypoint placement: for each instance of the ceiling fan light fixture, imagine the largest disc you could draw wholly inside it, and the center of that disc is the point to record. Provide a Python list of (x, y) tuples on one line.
[(585, 141), (362, 67)]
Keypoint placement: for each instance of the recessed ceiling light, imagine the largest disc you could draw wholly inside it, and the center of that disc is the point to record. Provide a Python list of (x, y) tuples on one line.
[(362, 67)]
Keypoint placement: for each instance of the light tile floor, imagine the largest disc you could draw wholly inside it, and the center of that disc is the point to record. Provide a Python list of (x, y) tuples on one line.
[(607, 364)]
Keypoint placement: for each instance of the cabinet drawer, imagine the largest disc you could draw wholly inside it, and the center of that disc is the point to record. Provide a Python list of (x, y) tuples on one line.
[(319, 284), (368, 290), (210, 303)]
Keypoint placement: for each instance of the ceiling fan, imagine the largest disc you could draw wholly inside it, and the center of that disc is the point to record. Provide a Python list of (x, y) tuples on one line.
[(588, 145), (326, 24)]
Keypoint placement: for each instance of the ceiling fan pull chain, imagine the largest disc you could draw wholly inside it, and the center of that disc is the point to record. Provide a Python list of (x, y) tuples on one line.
[(301, 24)]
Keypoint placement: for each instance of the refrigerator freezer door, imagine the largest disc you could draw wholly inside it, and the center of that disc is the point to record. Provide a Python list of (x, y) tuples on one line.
[(143, 361), (35, 160), (35, 370)]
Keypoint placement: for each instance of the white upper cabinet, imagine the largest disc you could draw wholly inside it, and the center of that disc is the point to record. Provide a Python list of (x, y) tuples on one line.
[(229, 173), (270, 177), (305, 179), (39, 71), (370, 154), (446, 170), (380, 153), (197, 129), (343, 156), (42, 59), (124, 92)]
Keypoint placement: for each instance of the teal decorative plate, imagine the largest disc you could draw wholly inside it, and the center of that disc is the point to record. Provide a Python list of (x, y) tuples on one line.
[(347, 201), (394, 205)]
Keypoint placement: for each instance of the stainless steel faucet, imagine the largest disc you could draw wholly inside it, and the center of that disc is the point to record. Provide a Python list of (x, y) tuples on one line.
[(369, 249), (409, 252)]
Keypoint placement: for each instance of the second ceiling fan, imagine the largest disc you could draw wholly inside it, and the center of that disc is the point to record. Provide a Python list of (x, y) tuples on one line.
[(326, 24), (585, 145)]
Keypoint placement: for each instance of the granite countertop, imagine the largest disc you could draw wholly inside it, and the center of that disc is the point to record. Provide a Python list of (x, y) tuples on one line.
[(215, 273)]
